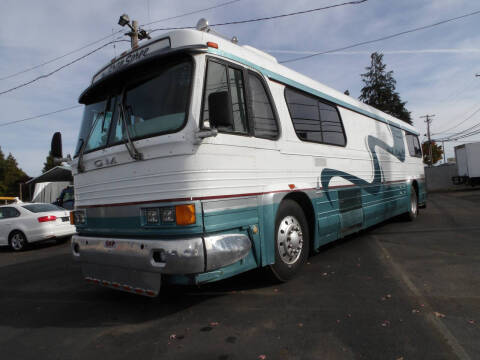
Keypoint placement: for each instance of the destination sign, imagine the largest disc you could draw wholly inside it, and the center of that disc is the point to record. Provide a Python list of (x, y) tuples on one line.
[(132, 58)]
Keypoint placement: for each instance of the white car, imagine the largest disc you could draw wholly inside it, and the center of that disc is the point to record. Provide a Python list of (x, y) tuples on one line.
[(24, 223)]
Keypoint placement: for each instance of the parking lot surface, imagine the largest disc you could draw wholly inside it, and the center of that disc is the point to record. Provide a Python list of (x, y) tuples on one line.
[(401, 290)]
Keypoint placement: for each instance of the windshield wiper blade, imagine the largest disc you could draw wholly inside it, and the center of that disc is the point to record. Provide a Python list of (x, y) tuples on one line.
[(132, 150)]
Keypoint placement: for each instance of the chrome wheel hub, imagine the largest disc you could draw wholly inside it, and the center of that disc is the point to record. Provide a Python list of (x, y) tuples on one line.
[(289, 240)]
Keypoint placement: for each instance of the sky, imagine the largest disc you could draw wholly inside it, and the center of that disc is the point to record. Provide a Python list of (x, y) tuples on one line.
[(434, 68)]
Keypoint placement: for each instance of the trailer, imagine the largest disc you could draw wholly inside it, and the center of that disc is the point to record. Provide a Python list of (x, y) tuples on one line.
[(468, 164)]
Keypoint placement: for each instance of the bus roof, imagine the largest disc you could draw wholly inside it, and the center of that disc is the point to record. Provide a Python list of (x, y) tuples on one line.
[(265, 63)]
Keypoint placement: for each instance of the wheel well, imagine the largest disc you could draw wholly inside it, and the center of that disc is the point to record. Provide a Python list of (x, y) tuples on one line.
[(415, 186), (306, 204)]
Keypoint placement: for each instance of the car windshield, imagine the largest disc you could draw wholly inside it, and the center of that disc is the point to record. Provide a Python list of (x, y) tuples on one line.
[(37, 208), (152, 105)]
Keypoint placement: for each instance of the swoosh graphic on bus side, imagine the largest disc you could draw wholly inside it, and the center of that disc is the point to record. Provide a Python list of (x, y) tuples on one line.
[(397, 150)]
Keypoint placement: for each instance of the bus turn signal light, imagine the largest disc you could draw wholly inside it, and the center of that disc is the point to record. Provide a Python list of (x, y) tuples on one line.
[(212, 45), (185, 214)]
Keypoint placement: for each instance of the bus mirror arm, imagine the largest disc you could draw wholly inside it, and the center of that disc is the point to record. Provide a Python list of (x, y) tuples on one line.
[(202, 134)]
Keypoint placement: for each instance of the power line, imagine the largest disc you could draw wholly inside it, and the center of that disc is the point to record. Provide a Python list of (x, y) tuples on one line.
[(39, 116), (60, 68), (382, 38), (458, 124), (266, 17), (192, 12), (107, 37)]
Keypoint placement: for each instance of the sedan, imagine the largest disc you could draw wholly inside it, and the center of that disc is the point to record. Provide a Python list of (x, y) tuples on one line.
[(25, 223)]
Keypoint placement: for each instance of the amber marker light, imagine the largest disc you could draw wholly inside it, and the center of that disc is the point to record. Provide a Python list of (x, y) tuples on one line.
[(212, 45), (72, 218), (185, 214)]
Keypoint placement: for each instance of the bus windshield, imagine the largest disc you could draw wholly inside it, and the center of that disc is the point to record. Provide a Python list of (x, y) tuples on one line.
[(151, 105)]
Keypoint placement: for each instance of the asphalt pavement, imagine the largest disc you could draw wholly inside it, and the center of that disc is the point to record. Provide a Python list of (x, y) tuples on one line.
[(401, 290)]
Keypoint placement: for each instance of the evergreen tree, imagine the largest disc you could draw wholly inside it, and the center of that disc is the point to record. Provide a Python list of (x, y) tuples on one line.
[(49, 163), (379, 90)]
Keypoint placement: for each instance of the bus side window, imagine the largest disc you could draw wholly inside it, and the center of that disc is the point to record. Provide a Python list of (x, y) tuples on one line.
[(315, 119), (264, 122), (224, 82), (414, 148)]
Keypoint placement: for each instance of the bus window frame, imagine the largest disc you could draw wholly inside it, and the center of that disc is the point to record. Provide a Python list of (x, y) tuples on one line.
[(245, 73)]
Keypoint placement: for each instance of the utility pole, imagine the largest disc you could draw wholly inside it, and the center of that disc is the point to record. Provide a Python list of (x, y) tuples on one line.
[(135, 32), (430, 153)]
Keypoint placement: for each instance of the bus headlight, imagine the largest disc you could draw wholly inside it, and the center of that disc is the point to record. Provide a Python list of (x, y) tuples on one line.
[(180, 214)]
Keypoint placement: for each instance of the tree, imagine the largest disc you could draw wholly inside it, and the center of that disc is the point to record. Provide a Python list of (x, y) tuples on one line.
[(379, 90), (437, 152), (49, 163), (10, 175)]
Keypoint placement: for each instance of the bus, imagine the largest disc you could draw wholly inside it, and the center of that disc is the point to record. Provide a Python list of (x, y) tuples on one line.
[(199, 158)]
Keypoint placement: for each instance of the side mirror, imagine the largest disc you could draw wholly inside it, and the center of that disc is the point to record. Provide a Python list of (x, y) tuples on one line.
[(56, 146), (220, 110)]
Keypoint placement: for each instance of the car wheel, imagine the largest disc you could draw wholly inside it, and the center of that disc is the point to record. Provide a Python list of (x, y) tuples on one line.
[(18, 241), (413, 205), (292, 241)]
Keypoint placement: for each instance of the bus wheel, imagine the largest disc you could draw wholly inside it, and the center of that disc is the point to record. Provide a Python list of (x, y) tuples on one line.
[(413, 205), (291, 240)]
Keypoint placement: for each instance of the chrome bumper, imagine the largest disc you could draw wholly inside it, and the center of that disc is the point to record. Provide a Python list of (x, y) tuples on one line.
[(182, 256)]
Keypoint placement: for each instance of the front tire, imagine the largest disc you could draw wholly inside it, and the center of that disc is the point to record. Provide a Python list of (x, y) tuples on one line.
[(292, 241), (17, 241)]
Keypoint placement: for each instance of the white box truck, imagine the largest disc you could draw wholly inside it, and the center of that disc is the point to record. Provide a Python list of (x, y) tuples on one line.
[(468, 164)]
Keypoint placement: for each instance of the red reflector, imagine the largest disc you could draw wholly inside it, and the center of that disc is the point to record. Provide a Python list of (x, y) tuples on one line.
[(212, 45), (47, 218), (291, 186)]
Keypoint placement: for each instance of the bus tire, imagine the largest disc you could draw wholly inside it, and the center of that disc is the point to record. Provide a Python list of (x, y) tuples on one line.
[(413, 205), (292, 241)]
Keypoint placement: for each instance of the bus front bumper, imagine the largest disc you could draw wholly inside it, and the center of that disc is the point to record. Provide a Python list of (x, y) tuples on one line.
[(136, 265)]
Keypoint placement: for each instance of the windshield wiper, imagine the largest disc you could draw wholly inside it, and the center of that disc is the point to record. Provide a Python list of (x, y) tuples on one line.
[(132, 150), (80, 166)]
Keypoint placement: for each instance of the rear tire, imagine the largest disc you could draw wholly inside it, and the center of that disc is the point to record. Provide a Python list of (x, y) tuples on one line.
[(292, 241), (413, 205), (17, 241)]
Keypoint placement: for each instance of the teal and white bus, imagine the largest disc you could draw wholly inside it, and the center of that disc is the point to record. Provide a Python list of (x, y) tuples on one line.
[(199, 158)]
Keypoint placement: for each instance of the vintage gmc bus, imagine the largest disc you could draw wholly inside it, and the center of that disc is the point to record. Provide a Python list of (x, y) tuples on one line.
[(199, 159)]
